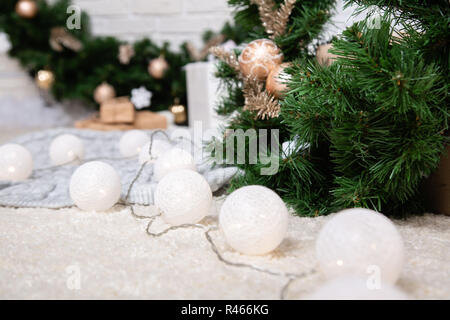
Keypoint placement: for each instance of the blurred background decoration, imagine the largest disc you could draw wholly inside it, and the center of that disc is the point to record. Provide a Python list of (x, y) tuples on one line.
[(73, 66)]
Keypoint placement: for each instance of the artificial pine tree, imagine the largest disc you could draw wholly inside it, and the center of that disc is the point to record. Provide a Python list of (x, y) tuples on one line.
[(368, 129), (292, 31)]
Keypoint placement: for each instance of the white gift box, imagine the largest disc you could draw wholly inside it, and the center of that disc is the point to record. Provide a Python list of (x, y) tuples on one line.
[(204, 93)]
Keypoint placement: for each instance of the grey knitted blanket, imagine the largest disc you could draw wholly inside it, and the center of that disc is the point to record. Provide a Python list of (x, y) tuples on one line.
[(48, 187)]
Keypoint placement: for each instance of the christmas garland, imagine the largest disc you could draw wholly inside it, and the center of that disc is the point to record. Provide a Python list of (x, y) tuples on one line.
[(72, 64)]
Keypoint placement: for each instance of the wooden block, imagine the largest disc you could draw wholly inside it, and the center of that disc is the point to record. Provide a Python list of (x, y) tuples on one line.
[(118, 110), (145, 120), (150, 120)]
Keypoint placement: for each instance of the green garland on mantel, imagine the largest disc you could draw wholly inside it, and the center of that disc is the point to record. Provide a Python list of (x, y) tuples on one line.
[(365, 131), (77, 74)]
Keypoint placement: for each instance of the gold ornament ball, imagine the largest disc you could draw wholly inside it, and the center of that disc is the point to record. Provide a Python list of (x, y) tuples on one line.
[(276, 81), (179, 112), (104, 92), (27, 8), (158, 67), (45, 79), (259, 58), (324, 57)]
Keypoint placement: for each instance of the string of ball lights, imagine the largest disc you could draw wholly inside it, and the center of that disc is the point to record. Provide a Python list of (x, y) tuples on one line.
[(207, 232), (252, 219)]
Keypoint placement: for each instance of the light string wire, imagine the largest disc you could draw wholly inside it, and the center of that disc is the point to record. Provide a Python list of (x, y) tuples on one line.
[(208, 230), (77, 160)]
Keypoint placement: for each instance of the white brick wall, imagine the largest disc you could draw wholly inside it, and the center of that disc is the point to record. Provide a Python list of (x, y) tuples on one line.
[(175, 21)]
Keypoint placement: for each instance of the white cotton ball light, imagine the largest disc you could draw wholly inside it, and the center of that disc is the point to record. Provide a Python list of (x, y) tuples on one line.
[(95, 186), (173, 160), (158, 148), (356, 241), (183, 196), (16, 163), (132, 142), (356, 288), (254, 220), (66, 148)]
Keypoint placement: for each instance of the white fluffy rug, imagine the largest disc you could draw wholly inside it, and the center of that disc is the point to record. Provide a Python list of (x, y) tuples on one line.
[(70, 254)]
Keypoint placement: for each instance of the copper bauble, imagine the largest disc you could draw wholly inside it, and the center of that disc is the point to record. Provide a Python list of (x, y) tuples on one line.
[(259, 57), (276, 80), (45, 79), (324, 57), (103, 93), (158, 67), (26, 9)]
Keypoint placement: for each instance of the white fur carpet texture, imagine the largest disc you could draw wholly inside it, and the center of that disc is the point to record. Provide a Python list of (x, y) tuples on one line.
[(71, 254)]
